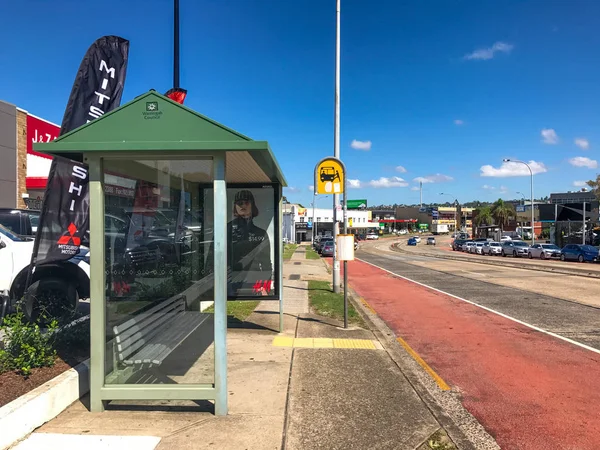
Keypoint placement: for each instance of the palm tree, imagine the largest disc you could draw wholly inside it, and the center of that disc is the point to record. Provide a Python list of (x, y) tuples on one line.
[(484, 216), (502, 212)]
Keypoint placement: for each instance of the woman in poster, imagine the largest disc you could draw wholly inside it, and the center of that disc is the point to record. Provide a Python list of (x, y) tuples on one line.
[(249, 249)]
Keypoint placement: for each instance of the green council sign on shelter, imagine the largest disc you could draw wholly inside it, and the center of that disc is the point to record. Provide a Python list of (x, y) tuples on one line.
[(357, 204)]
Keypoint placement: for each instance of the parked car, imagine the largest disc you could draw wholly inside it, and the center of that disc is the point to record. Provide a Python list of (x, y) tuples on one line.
[(515, 248), (372, 237), (324, 241), (431, 240), (327, 249), (23, 222), (505, 238), (579, 252), (477, 248), (457, 244), (544, 251), (403, 231), (412, 241), (491, 248), (466, 247), (418, 238)]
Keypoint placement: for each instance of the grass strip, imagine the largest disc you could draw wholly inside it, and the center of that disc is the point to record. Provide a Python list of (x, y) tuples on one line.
[(329, 304), (238, 309), (288, 251)]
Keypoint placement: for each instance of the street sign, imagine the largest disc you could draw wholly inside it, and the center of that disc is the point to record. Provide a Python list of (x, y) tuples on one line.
[(350, 222), (357, 204), (329, 177)]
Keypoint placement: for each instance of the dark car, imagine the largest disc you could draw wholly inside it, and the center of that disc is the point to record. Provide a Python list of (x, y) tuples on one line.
[(579, 252), (323, 242), (411, 241), (457, 244), (23, 222), (327, 249)]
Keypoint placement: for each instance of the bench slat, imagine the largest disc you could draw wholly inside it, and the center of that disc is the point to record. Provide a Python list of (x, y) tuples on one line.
[(123, 327), (159, 347)]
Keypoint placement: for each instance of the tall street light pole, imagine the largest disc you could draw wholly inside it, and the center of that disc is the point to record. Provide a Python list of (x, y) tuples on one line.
[(336, 150), (455, 210), (532, 204), (521, 194), (176, 43)]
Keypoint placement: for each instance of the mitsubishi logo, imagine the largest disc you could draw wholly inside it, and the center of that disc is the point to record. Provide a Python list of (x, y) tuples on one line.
[(64, 240)]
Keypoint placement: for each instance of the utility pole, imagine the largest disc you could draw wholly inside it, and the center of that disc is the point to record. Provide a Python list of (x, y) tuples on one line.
[(583, 233), (175, 43), (420, 194), (336, 151)]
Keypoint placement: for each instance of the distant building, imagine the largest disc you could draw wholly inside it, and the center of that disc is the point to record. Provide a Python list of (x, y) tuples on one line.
[(573, 197)]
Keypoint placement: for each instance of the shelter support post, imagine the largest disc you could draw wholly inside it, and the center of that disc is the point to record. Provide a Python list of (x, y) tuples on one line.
[(280, 276), (97, 283), (220, 280)]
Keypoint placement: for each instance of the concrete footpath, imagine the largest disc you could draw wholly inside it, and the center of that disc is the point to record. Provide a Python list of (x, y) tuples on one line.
[(314, 386)]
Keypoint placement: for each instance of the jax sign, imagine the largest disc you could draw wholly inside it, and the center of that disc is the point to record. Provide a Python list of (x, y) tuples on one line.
[(329, 176)]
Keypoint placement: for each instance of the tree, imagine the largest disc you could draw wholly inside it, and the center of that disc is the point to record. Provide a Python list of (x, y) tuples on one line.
[(483, 216), (502, 212), (595, 186)]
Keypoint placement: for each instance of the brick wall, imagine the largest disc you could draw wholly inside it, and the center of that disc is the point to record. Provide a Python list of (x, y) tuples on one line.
[(21, 157)]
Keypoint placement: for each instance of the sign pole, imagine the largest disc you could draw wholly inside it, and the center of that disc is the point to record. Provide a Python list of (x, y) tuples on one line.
[(346, 262), (336, 152)]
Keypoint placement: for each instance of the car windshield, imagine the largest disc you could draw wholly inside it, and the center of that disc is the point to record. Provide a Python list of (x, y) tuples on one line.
[(12, 236), (479, 244), (550, 247), (494, 244), (520, 244)]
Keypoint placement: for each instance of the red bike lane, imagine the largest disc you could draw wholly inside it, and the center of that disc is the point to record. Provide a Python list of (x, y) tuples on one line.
[(529, 390)]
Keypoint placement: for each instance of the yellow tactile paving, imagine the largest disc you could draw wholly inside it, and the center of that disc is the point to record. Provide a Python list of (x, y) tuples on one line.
[(286, 341), (323, 342), (304, 343), (283, 341)]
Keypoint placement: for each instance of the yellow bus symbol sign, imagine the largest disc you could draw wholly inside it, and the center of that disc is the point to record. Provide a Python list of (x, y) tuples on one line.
[(329, 177)]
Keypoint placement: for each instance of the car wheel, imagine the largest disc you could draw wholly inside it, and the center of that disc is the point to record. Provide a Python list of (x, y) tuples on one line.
[(542, 255), (530, 255), (503, 254), (49, 298), (580, 258), (562, 257), (514, 253)]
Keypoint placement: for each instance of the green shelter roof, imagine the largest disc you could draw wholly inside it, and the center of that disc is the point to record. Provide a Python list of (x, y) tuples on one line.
[(154, 123)]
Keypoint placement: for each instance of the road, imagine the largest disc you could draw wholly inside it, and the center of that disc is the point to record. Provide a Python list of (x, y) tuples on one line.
[(525, 361)]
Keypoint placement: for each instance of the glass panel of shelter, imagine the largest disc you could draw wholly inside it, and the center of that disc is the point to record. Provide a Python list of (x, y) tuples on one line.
[(159, 321)]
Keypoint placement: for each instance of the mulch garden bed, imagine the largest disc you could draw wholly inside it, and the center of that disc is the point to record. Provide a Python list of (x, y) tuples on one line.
[(13, 385)]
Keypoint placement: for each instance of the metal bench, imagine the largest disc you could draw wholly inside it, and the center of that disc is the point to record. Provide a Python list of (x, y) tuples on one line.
[(149, 337)]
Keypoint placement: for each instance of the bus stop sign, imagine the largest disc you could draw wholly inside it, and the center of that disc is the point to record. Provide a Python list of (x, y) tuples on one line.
[(329, 177)]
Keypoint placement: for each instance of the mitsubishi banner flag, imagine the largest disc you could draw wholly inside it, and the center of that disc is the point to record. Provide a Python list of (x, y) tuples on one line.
[(65, 212), (98, 88), (176, 94)]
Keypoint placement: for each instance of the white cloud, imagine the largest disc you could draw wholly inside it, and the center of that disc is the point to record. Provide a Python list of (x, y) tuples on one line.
[(311, 188), (483, 54), (459, 122), (415, 188), (503, 189), (384, 182), (512, 169), (361, 145), (400, 169), (582, 161), (580, 184), (582, 143), (549, 136), (488, 187), (292, 189), (437, 178), (354, 184)]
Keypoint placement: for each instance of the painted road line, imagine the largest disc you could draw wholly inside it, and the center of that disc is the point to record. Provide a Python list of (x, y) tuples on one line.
[(285, 341), (440, 382), (533, 327), (369, 307)]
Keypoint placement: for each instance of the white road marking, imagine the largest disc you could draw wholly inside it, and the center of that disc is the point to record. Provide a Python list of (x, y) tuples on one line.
[(533, 327), (55, 441)]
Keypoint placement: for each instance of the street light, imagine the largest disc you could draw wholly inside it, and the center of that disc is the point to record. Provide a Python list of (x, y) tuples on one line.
[(532, 206), (455, 210), (521, 194)]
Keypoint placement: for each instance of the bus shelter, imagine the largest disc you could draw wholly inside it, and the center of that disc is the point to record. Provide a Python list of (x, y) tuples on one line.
[(185, 214)]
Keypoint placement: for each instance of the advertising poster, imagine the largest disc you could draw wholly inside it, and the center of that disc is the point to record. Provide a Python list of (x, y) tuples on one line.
[(251, 245)]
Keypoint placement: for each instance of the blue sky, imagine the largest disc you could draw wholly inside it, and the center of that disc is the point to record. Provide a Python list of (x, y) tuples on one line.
[(440, 91)]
